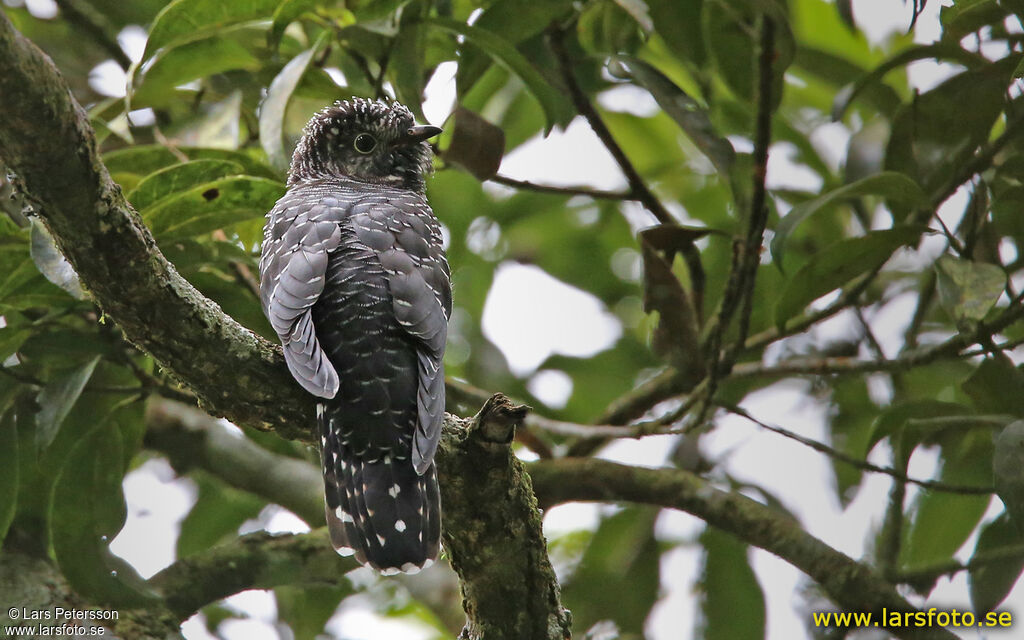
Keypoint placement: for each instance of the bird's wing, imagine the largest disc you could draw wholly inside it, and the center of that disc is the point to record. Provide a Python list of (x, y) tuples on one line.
[(300, 232), (406, 237)]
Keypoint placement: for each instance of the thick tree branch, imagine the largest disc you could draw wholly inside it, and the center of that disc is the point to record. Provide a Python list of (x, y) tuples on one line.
[(493, 533), (850, 584), (192, 439), (255, 561), (45, 139)]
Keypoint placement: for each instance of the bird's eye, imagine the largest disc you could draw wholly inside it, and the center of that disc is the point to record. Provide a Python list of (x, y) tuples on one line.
[(365, 143)]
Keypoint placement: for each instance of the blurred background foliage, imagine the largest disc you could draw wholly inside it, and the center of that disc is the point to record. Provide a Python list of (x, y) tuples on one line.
[(217, 97)]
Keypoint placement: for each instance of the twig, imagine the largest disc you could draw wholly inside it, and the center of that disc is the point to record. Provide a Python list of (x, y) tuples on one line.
[(597, 194), (638, 188), (926, 575), (857, 462), (739, 288)]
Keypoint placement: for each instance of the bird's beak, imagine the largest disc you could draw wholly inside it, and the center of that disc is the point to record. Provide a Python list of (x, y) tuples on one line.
[(415, 135)]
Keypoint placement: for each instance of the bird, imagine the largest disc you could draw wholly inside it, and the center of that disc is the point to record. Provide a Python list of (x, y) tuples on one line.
[(355, 283)]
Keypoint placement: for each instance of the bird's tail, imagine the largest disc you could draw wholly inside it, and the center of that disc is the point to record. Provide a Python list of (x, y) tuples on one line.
[(384, 512)]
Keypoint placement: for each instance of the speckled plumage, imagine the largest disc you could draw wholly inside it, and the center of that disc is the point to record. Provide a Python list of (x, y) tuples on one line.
[(354, 281)]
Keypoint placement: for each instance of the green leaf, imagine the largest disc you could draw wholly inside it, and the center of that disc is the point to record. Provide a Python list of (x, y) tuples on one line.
[(184, 21), (409, 57), (991, 582), (306, 610), (218, 512), (288, 12), (893, 422), (211, 206), (941, 522), (178, 178), (838, 264), (888, 184), (57, 398), (728, 585), (9, 480), (272, 111), (639, 11), (996, 386), (604, 27), (146, 159), (555, 108), (88, 511), (1008, 470), (967, 289), (728, 28), (965, 17), (617, 578), (174, 66), (932, 136), (675, 21), (515, 25), (873, 79), (52, 263), (691, 117)]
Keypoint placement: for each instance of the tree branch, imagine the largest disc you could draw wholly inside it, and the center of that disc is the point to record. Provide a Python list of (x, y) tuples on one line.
[(850, 584), (638, 188), (254, 561), (597, 194), (240, 376), (493, 531)]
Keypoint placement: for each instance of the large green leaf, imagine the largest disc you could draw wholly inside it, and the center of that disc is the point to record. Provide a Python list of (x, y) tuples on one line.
[(996, 386), (515, 25), (728, 585), (272, 111), (211, 206), (941, 522), (556, 110), (306, 610), (218, 512), (1008, 471), (178, 178), (990, 582), (88, 511), (183, 21), (143, 160), (617, 578), (838, 264), (887, 184), (9, 479), (688, 114), (933, 134), (192, 60), (57, 398)]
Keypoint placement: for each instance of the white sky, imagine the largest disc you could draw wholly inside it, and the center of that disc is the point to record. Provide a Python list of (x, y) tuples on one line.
[(531, 315)]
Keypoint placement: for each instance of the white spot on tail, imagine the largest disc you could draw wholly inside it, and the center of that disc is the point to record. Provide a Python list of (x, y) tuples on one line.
[(410, 568), (390, 571), (345, 551), (400, 526), (381, 540), (394, 490)]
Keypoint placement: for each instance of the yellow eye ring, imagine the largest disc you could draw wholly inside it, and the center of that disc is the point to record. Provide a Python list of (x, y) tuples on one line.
[(364, 143)]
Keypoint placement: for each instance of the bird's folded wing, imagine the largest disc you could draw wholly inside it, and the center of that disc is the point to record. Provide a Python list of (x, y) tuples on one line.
[(297, 239)]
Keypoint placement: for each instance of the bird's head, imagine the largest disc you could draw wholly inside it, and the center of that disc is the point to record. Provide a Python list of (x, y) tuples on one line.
[(369, 140)]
